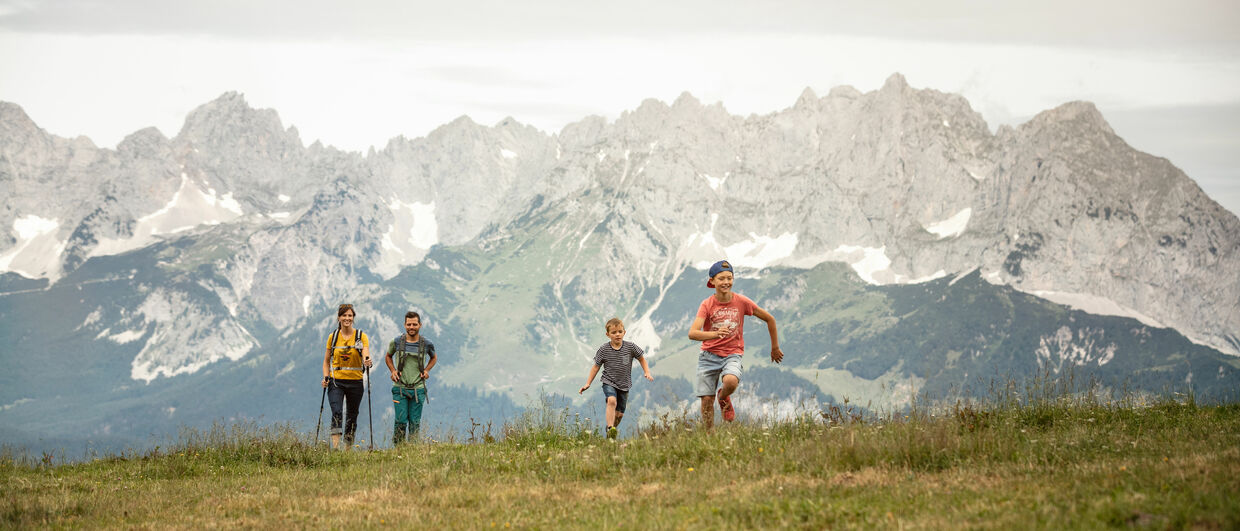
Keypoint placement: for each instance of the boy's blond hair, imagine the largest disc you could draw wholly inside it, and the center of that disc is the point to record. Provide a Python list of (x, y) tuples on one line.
[(614, 321)]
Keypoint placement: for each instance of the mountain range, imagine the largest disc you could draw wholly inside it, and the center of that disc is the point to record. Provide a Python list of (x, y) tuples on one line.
[(903, 247)]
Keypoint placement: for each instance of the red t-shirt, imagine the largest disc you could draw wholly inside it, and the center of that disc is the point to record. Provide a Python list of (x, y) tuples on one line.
[(732, 314)]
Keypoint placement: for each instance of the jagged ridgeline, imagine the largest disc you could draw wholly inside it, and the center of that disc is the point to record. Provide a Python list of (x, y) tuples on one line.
[(903, 247)]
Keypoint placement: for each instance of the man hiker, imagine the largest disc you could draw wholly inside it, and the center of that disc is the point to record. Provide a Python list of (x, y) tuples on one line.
[(410, 357)]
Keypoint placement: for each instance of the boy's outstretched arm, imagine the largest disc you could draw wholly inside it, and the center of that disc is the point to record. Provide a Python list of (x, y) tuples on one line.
[(645, 368), (590, 380), (777, 355)]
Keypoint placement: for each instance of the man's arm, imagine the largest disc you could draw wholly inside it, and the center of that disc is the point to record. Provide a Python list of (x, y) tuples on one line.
[(388, 359), (777, 355), (426, 372)]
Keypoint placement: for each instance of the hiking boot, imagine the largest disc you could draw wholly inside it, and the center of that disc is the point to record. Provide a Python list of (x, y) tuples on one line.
[(725, 406), (612, 432)]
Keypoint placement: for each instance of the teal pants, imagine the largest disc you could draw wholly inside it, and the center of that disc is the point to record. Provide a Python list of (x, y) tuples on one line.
[(408, 404)]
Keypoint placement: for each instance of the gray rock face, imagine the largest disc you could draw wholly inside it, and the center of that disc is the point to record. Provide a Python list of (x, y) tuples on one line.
[(904, 184), (1102, 218)]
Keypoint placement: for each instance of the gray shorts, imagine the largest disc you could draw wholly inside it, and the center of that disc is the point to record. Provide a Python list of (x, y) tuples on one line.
[(711, 368)]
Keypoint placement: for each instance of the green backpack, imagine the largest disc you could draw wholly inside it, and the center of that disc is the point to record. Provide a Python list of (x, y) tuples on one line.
[(402, 356)]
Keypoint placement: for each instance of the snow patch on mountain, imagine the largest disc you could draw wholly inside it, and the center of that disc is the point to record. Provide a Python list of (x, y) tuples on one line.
[(701, 245), (1095, 305), (866, 261), (189, 207), (951, 227), (508, 154), (758, 251), (643, 334), (1064, 347), (15, 403), (186, 336), (413, 232), (128, 336), (38, 251), (761, 251), (932, 276)]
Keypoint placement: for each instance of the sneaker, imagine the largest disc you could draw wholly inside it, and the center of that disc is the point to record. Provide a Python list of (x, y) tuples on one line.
[(725, 406), (612, 432)]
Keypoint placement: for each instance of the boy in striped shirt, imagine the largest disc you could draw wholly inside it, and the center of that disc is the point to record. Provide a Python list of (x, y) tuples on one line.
[(616, 358)]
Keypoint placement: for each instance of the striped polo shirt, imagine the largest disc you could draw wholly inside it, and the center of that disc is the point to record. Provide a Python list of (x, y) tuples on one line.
[(618, 363)]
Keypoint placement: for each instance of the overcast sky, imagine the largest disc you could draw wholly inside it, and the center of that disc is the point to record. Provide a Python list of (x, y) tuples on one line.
[(1165, 74)]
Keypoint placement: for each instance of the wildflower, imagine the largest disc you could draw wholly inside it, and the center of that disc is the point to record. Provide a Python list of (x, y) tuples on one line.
[(691, 469), (759, 449)]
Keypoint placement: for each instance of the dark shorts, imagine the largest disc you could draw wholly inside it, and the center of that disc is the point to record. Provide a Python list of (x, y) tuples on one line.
[(622, 397)]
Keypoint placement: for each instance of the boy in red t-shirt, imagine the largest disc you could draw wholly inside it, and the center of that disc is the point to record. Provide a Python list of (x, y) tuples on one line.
[(720, 327)]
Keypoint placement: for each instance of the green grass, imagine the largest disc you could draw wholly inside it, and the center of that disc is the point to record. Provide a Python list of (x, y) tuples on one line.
[(1021, 462)]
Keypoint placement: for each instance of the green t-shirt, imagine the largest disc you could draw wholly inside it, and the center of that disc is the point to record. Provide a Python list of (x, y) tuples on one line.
[(410, 361)]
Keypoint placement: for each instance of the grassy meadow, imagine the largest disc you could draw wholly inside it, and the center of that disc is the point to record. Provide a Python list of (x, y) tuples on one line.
[(1068, 462)]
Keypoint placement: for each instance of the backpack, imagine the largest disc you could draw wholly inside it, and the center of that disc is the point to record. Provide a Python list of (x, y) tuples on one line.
[(357, 340), (403, 356)]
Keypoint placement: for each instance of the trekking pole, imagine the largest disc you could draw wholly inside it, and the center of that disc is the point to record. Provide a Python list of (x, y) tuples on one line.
[(370, 417), (319, 425)]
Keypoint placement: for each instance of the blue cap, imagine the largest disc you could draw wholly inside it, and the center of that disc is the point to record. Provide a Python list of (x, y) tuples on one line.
[(716, 268)]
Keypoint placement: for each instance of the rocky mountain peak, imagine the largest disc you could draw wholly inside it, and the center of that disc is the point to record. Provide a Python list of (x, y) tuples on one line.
[(807, 100), (685, 99), (145, 140), (18, 132), (13, 118), (1083, 115), (229, 118), (895, 83), (463, 125), (844, 92)]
